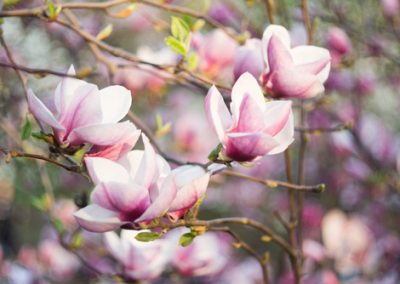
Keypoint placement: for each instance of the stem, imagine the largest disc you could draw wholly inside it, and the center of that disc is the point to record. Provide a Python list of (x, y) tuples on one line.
[(269, 5)]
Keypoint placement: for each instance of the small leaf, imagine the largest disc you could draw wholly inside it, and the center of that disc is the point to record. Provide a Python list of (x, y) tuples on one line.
[(266, 238), (215, 153), (147, 236), (26, 130), (105, 32), (77, 241), (192, 61), (48, 138), (52, 10), (186, 239), (58, 225), (179, 29), (198, 25), (176, 46)]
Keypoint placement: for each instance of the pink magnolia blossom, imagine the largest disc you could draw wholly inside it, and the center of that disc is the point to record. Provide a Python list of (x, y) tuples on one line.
[(85, 114), (139, 188), (255, 128), (338, 43), (293, 72), (140, 260), (249, 58), (217, 53), (390, 7)]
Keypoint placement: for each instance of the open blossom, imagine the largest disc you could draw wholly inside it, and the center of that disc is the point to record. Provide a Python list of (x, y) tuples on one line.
[(140, 260), (255, 128), (139, 188), (297, 72), (85, 114)]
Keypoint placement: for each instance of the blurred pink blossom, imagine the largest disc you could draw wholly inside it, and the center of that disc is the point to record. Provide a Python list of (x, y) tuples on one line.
[(206, 256), (249, 58), (140, 260), (255, 128), (292, 72)]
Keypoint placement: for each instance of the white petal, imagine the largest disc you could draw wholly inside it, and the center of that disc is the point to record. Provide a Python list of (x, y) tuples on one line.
[(246, 85), (104, 170), (307, 54), (97, 219), (217, 113), (115, 103)]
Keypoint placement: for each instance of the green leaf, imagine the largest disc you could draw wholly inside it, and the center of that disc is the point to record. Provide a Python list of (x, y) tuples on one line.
[(215, 153), (186, 239), (176, 46), (77, 241), (58, 225), (192, 61), (179, 29), (147, 236), (52, 10), (26, 130)]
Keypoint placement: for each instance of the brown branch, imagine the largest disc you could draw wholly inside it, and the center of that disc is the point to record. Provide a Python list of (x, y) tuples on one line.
[(318, 130), (269, 6), (37, 71), (239, 243), (16, 154), (318, 188)]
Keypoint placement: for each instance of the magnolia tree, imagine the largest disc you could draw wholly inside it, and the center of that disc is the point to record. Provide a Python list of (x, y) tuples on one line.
[(156, 141)]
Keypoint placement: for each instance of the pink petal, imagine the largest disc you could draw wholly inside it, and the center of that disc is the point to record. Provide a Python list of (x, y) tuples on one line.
[(103, 134), (192, 182), (116, 151), (161, 204), (245, 147), (65, 90), (41, 112), (276, 116), (278, 31), (251, 116), (104, 170), (307, 54), (284, 137), (246, 85), (115, 246), (278, 55), (115, 103), (97, 219), (83, 109), (217, 112), (146, 171), (293, 83), (130, 199)]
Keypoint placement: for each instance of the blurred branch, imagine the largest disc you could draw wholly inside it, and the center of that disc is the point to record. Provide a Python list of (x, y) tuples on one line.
[(239, 243), (16, 154), (37, 71), (318, 130), (269, 5), (318, 188)]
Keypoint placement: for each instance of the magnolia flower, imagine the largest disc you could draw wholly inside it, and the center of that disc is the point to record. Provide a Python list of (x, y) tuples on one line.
[(292, 72), (84, 114), (217, 53), (206, 256), (139, 188), (140, 260), (249, 58), (255, 128)]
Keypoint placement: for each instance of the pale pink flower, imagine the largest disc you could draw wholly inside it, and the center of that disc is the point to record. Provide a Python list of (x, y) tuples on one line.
[(85, 114), (255, 128), (217, 53), (390, 7), (347, 240), (293, 72), (206, 256), (139, 188), (59, 262), (249, 58), (140, 260)]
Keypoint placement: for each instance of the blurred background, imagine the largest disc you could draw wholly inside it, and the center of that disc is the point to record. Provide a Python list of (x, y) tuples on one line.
[(351, 230)]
